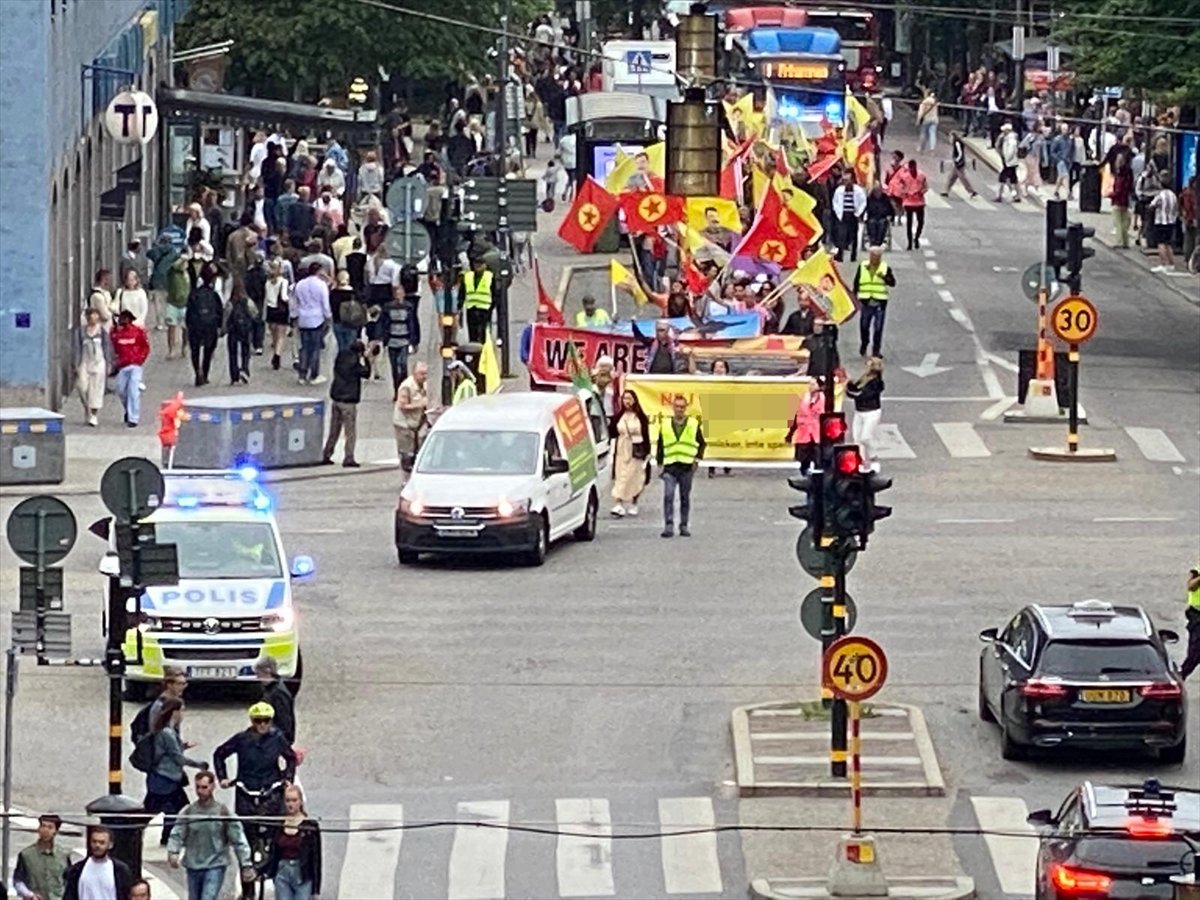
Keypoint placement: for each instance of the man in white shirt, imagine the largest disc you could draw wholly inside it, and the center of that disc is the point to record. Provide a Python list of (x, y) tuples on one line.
[(848, 205), (331, 176), (1165, 208), (99, 877), (258, 152), (383, 276)]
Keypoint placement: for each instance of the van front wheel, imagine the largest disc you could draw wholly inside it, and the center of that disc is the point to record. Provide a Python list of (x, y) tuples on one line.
[(587, 531), (536, 555)]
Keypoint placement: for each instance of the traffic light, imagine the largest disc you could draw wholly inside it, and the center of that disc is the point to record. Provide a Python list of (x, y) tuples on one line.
[(356, 94), (812, 509), (846, 513), (1077, 253), (1056, 234), (875, 485), (833, 432)]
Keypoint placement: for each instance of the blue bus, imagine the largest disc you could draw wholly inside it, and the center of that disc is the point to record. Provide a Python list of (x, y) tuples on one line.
[(804, 66)]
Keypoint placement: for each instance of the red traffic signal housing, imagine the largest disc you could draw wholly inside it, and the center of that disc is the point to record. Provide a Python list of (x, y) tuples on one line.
[(833, 428), (847, 460)]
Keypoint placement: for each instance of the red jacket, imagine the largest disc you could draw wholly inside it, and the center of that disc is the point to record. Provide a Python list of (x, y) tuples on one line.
[(130, 346)]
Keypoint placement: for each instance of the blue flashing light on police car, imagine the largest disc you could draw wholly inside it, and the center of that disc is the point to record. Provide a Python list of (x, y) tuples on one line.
[(833, 110), (248, 473), (235, 487)]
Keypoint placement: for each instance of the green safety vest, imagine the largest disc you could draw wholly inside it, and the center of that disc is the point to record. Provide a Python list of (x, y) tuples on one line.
[(1194, 598), (465, 391), (583, 321), (871, 285), (479, 290), (682, 448)]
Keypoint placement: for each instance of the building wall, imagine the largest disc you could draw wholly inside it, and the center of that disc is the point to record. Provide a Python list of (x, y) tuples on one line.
[(57, 161)]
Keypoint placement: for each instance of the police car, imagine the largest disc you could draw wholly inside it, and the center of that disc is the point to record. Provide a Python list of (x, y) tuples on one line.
[(233, 602), (1118, 841)]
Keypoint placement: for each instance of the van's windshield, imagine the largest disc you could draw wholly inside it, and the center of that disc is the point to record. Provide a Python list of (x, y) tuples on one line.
[(480, 453)]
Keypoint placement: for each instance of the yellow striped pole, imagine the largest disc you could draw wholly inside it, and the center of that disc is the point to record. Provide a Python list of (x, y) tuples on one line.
[(855, 767)]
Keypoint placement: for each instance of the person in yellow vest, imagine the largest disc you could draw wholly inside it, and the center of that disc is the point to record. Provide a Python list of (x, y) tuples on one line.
[(463, 381), (589, 316), (476, 292), (871, 283), (680, 449), (1192, 660)]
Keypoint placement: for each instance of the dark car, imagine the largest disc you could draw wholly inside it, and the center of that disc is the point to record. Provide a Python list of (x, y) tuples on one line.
[(1086, 675), (1115, 841)]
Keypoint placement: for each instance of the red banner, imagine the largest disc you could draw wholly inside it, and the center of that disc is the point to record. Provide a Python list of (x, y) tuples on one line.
[(550, 354)]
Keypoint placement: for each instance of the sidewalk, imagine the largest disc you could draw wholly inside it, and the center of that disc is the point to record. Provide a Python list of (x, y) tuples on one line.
[(1187, 285)]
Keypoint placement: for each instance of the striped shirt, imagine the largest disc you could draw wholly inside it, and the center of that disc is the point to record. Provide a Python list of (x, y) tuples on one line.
[(1166, 207)]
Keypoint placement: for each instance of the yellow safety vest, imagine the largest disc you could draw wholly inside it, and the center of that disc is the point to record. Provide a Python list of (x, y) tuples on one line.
[(684, 447), (600, 318), (465, 391), (1194, 598), (479, 290), (871, 285)]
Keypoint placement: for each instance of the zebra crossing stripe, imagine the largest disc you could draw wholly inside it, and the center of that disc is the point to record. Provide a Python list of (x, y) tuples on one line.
[(934, 200), (976, 202), (584, 863), (478, 854), (890, 444), (1013, 857), (1155, 445), (690, 863), (961, 440), (369, 866)]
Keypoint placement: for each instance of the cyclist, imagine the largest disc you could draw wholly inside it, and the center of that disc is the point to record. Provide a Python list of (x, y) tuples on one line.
[(259, 750)]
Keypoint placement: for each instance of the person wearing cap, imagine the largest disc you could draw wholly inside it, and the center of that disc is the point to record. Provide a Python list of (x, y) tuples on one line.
[(259, 750), (130, 349), (463, 381), (476, 294), (1008, 146), (1191, 660), (590, 316), (42, 865)]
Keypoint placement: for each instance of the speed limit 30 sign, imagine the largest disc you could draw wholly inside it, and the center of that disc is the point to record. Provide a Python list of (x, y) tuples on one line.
[(854, 668), (1074, 319)]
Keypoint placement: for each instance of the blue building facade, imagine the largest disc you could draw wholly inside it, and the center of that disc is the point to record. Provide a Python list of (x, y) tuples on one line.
[(61, 61)]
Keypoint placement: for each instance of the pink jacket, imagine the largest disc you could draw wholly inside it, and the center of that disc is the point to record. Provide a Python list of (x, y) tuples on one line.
[(806, 424)]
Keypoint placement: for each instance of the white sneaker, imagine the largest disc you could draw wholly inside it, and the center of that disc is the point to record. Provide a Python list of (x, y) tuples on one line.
[(632, 509), (142, 386), (1158, 268), (301, 380), (618, 511), (93, 421), (320, 379)]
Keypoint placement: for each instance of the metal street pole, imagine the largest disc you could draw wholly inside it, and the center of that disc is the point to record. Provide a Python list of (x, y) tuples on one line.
[(502, 94), (1073, 387), (838, 712), (10, 693)]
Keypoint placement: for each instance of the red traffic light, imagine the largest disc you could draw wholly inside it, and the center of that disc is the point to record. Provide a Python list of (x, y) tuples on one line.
[(848, 461), (833, 427)]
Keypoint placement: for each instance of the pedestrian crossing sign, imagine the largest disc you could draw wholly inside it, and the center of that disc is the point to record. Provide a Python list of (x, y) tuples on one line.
[(638, 62)]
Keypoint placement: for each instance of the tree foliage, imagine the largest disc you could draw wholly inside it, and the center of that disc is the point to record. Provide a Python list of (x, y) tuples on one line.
[(304, 49), (1143, 45)]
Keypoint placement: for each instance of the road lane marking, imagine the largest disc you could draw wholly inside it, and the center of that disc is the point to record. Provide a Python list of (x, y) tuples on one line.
[(946, 296), (961, 440), (934, 200), (1027, 207), (975, 521), (1001, 362), (928, 253), (882, 761), (824, 736), (369, 866), (931, 265), (478, 854), (976, 202), (1136, 519), (937, 279), (1014, 858), (1001, 406), (890, 443), (961, 318), (1154, 444), (690, 863), (584, 863)]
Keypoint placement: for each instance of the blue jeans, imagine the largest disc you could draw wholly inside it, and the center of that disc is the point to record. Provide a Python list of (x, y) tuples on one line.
[(129, 390), (871, 312), (288, 883), (398, 356), (929, 136), (310, 352), (672, 477), (345, 336), (205, 884)]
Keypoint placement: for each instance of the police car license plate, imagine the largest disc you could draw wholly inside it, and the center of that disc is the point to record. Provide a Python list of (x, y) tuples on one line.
[(1104, 696), (212, 672)]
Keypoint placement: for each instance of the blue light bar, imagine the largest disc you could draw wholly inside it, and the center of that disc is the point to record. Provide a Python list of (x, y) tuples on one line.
[(236, 487)]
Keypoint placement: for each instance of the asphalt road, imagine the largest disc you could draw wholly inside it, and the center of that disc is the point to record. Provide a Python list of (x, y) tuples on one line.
[(457, 693)]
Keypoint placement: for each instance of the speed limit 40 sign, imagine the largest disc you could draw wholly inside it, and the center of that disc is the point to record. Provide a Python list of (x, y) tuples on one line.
[(1074, 319), (854, 668)]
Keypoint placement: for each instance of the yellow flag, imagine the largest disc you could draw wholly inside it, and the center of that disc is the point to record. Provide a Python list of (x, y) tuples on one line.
[(626, 167), (622, 277), (857, 116), (489, 367), (726, 210), (818, 282)]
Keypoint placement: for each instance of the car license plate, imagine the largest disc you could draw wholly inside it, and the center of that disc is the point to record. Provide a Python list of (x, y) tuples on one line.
[(1104, 696), (457, 531), (212, 671)]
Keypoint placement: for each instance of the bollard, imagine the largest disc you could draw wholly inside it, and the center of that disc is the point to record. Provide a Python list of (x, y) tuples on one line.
[(127, 820)]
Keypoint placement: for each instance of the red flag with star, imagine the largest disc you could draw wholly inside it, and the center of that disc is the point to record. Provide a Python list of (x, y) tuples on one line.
[(767, 240), (545, 302), (588, 215), (647, 210)]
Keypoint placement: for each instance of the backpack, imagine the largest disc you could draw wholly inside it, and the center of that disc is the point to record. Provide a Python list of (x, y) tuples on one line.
[(205, 308), (240, 319), (145, 753), (140, 726), (352, 314)]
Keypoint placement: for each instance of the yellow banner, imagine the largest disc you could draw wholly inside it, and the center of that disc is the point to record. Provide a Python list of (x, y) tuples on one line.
[(744, 419)]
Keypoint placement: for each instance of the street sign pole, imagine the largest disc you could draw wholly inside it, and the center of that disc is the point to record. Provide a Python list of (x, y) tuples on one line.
[(1073, 381), (10, 694), (855, 767), (502, 313), (837, 713)]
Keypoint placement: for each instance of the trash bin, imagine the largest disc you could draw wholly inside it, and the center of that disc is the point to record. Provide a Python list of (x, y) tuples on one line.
[(127, 820), (1089, 187)]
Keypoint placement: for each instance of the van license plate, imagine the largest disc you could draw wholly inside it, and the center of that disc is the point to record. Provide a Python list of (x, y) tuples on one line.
[(212, 672), (1106, 696)]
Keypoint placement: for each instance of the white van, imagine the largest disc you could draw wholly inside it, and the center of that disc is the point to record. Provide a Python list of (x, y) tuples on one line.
[(505, 473)]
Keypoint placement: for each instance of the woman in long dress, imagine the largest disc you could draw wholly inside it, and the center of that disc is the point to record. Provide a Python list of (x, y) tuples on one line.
[(93, 361), (630, 432)]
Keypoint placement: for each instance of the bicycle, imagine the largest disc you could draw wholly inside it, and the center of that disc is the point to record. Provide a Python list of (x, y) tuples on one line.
[(260, 824)]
